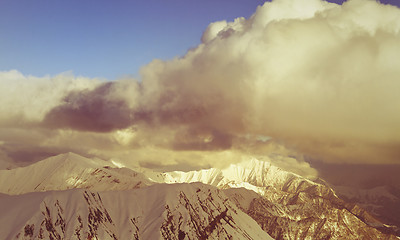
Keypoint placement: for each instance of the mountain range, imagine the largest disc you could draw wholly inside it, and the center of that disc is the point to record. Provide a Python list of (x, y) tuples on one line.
[(73, 197)]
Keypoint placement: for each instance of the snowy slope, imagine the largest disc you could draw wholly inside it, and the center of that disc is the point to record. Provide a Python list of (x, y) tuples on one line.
[(285, 204), (67, 171), (303, 215), (253, 174), (176, 211)]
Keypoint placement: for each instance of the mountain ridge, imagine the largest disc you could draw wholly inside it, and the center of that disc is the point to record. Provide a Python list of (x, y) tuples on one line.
[(68, 171), (276, 199), (162, 211)]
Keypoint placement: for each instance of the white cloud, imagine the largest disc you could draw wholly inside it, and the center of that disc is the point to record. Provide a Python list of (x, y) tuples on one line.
[(29, 98)]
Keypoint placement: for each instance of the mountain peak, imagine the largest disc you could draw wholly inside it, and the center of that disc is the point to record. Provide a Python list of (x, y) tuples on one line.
[(71, 158), (252, 174), (68, 170)]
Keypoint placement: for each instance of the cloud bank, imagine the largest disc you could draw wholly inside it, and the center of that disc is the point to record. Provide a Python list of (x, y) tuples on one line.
[(318, 78)]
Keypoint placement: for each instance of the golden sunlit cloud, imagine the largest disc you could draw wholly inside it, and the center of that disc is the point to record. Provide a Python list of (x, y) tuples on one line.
[(320, 78)]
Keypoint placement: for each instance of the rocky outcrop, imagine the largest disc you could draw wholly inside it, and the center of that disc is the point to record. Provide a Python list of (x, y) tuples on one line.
[(178, 211), (307, 213)]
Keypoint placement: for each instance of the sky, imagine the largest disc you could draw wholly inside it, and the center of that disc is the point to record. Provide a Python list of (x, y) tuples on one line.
[(106, 39), (188, 85)]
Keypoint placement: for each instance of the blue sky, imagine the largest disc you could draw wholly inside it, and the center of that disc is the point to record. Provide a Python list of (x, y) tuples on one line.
[(106, 39)]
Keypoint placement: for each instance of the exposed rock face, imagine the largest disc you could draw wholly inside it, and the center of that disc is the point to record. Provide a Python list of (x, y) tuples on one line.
[(143, 206), (289, 206), (179, 211), (307, 214)]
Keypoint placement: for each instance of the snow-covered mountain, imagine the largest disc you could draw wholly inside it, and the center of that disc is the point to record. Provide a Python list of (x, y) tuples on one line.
[(252, 174), (285, 205), (67, 171), (177, 211), (304, 215)]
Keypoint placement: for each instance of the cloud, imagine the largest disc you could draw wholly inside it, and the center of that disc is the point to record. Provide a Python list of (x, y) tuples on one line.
[(319, 78), (98, 109), (27, 99)]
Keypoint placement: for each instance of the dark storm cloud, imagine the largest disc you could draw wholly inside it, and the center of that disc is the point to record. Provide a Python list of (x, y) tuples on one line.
[(91, 110)]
